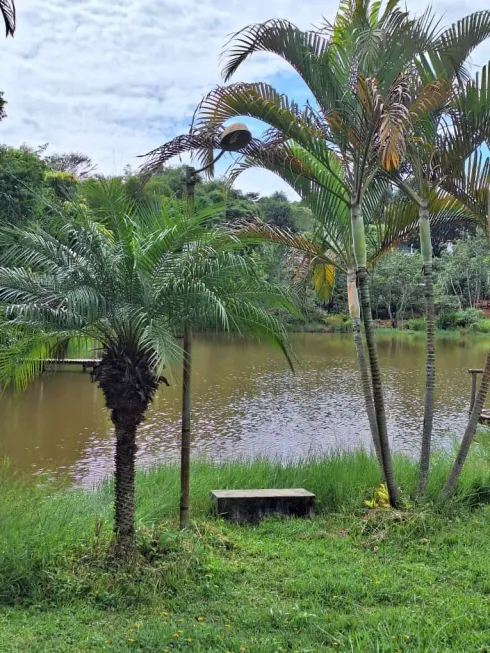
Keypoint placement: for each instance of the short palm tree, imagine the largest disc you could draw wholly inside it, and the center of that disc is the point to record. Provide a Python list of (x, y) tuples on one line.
[(7, 8), (125, 279)]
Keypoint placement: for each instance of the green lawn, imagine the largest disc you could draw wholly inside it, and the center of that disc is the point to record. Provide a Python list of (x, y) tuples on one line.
[(348, 579)]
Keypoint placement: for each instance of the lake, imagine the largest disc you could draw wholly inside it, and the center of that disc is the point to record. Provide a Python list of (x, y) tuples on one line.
[(246, 402)]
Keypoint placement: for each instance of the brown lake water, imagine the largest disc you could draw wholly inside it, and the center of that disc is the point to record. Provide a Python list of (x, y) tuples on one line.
[(246, 403)]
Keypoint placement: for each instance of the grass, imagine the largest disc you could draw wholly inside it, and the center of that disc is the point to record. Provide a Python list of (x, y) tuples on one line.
[(348, 579)]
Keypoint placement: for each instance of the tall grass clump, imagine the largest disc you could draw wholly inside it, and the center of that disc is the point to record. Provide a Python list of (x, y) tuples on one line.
[(55, 541)]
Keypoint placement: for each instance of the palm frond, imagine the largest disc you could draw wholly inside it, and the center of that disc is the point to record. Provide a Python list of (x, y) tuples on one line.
[(7, 8)]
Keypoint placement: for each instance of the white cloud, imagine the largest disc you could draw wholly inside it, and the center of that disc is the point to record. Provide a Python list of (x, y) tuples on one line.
[(115, 78)]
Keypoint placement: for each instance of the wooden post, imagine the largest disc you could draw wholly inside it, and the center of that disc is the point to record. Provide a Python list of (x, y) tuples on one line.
[(474, 374), (186, 431)]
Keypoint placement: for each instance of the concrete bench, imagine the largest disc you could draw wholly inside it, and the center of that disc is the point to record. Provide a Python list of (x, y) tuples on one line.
[(249, 506)]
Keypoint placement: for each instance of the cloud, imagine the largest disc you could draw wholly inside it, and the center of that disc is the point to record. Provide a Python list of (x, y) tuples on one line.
[(116, 78)]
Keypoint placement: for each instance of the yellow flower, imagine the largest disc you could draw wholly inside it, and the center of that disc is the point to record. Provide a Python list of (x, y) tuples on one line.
[(130, 630), (243, 649), (176, 635), (137, 625), (189, 640), (406, 638), (180, 632), (165, 614), (335, 644), (200, 619), (130, 640), (180, 621), (107, 641), (227, 626)]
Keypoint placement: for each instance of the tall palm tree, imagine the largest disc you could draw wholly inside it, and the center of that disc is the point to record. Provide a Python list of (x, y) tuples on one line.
[(126, 280), (441, 137), (359, 72), (7, 8), (330, 246)]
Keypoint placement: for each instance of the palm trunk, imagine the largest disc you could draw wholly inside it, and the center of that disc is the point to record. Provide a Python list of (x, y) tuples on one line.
[(469, 433), (430, 370), (359, 239), (125, 427), (355, 314), (186, 431), (488, 217)]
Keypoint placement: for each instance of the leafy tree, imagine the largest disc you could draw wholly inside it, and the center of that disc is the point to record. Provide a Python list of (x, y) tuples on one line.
[(276, 210), (396, 284), (74, 163), (22, 185), (127, 279), (464, 273)]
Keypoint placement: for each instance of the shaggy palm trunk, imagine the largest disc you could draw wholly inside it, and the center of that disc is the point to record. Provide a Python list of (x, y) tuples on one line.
[(125, 427), (128, 382), (359, 239), (469, 433), (426, 250), (355, 314), (185, 451)]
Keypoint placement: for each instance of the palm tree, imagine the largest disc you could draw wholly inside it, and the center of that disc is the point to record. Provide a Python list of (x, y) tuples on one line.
[(330, 246), (125, 279), (441, 137), (359, 72), (464, 448), (7, 8)]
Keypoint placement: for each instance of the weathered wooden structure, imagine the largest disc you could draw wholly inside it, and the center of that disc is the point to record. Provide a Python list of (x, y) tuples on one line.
[(485, 414), (249, 506), (84, 363)]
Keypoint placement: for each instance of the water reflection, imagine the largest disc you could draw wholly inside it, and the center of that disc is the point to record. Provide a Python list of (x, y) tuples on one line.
[(246, 402)]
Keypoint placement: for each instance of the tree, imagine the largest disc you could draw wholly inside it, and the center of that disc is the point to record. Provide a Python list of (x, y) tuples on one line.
[(469, 434), (448, 121), (396, 284), (22, 185), (358, 72), (276, 210), (465, 272), (126, 279), (74, 163), (328, 250)]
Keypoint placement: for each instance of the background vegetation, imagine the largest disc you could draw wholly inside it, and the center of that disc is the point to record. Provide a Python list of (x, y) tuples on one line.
[(36, 187)]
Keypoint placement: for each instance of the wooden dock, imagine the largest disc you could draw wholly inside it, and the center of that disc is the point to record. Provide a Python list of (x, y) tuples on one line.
[(84, 363)]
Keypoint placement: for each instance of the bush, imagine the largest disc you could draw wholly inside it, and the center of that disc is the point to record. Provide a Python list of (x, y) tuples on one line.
[(462, 319), (415, 324), (338, 323), (483, 326)]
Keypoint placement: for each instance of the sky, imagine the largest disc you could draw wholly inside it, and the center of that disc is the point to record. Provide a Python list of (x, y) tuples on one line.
[(117, 78)]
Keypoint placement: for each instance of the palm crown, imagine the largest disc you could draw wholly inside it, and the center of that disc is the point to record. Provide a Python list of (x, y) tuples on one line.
[(129, 279)]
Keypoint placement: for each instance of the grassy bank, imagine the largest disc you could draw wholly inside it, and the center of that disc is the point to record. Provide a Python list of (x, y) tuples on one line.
[(349, 579)]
